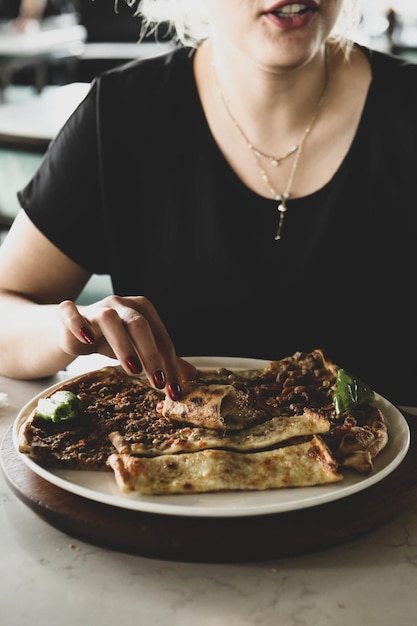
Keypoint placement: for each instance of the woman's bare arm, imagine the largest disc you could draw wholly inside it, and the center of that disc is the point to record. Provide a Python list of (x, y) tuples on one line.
[(34, 277)]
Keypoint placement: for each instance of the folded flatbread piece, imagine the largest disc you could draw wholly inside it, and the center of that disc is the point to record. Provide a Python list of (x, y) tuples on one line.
[(305, 464), (192, 439), (221, 407)]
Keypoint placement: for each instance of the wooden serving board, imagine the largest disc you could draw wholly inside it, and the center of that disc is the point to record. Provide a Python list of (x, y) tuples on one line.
[(215, 540)]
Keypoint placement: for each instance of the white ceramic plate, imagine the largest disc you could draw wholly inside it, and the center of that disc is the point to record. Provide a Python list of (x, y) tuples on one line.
[(101, 486)]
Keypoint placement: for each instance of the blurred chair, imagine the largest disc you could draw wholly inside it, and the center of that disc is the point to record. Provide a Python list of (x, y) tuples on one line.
[(31, 48)]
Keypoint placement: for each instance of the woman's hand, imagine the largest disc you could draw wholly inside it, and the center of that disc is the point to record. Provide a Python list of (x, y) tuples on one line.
[(130, 330)]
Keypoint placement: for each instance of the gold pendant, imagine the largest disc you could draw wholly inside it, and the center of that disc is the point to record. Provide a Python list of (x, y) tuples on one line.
[(282, 209)]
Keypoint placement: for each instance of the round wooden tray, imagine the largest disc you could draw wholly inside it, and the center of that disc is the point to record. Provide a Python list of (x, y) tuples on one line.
[(215, 540)]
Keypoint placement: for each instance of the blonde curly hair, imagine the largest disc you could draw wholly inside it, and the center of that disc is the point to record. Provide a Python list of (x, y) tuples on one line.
[(188, 22)]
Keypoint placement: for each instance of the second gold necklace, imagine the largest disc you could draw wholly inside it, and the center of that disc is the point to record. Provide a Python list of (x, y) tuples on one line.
[(281, 198)]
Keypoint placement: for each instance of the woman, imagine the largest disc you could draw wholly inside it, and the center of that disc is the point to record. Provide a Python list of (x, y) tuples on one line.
[(255, 186)]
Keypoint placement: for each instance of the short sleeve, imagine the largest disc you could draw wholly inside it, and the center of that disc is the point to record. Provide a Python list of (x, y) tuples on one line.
[(64, 197)]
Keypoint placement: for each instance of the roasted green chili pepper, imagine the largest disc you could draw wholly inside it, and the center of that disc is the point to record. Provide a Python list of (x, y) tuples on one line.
[(350, 392), (61, 406)]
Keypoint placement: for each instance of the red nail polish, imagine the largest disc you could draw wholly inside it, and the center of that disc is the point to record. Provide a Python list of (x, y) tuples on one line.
[(174, 391), (86, 335), (159, 379), (134, 365)]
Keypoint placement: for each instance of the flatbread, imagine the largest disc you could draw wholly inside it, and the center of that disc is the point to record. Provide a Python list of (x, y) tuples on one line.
[(300, 465), (221, 407), (257, 429), (258, 437)]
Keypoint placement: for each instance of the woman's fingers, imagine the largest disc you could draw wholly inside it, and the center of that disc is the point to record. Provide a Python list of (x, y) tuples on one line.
[(130, 330), (187, 370), (77, 335), (114, 333), (151, 342)]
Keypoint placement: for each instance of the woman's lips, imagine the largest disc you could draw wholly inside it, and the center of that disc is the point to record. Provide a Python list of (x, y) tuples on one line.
[(288, 15)]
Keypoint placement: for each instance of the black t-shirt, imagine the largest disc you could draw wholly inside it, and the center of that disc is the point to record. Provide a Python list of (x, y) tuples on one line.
[(136, 187)]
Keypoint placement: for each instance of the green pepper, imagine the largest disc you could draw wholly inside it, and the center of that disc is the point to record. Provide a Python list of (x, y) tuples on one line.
[(350, 392), (61, 406)]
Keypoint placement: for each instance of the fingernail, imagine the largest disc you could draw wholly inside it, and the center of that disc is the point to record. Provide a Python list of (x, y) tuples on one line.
[(87, 335), (134, 365), (174, 391), (159, 379)]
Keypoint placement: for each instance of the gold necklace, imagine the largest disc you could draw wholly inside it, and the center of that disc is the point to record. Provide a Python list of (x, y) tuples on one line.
[(281, 198), (274, 160)]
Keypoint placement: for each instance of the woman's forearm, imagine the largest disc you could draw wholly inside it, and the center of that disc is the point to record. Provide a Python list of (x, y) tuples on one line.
[(28, 339)]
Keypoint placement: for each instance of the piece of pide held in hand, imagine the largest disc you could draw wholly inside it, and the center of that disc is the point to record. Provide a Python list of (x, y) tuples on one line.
[(299, 421), (299, 465), (221, 407)]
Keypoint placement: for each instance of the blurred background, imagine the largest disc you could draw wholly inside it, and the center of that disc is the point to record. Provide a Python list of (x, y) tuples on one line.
[(390, 25)]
